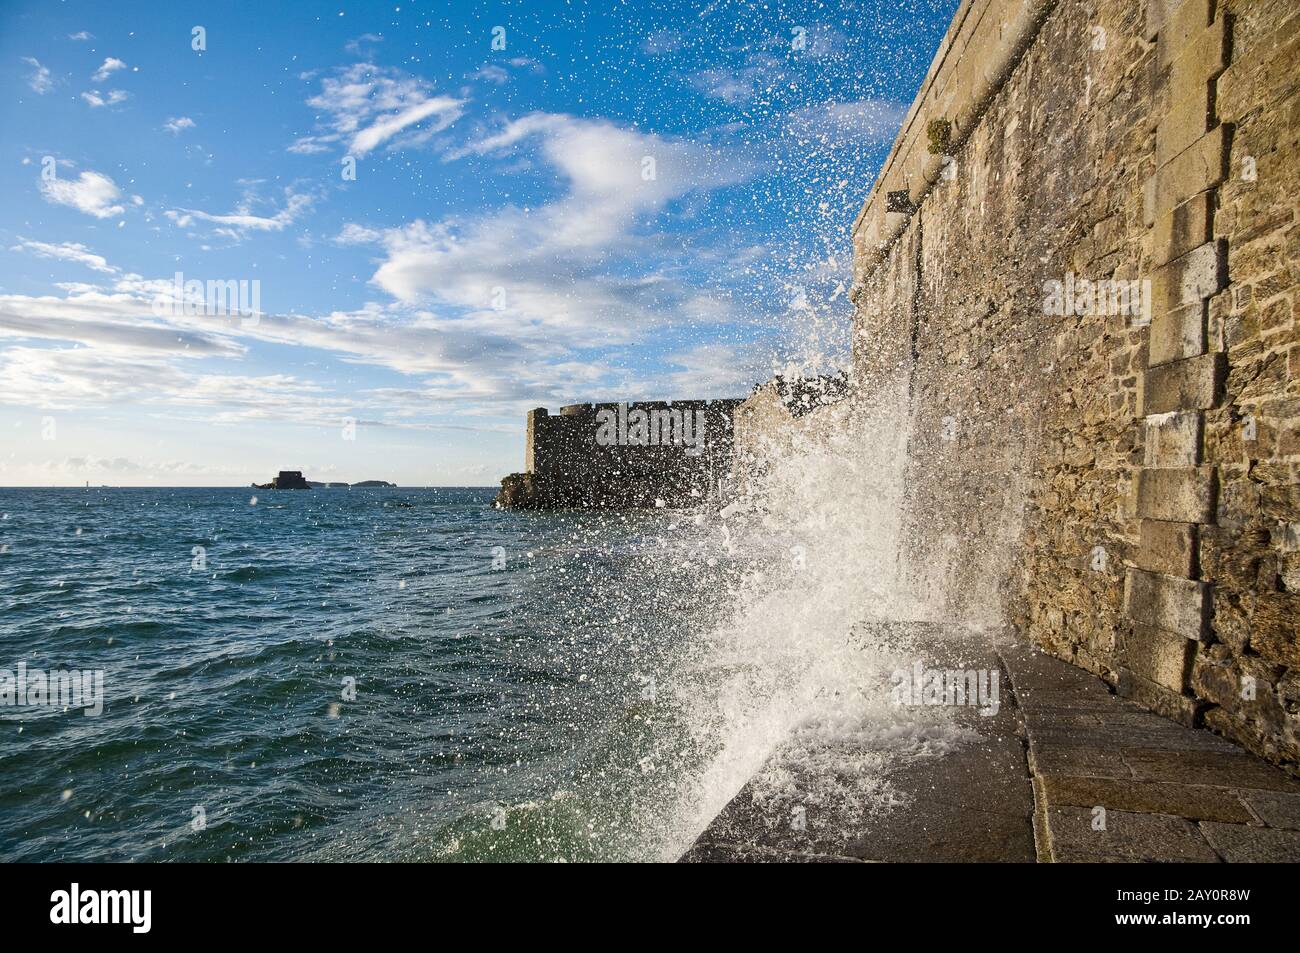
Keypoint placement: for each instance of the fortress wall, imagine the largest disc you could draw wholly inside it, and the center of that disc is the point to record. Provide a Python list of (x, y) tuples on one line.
[(1123, 487), (566, 466)]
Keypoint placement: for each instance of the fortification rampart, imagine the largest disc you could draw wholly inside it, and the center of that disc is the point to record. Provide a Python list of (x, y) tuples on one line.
[(616, 456), (1138, 465)]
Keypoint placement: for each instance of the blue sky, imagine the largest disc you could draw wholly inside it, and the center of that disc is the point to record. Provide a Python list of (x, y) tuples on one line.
[(617, 202)]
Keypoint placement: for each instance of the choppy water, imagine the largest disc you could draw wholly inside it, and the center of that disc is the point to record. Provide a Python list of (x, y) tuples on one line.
[(476, 688), (601, 696)]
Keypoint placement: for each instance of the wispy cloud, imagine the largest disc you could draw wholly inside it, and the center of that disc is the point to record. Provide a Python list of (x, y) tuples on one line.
[(237, 223), (359, 45), (111, 98), (92, 192), (178, 124), (662, 41), (38, 80), (110, 65), (366, 106), (67, 251), (557, 265)]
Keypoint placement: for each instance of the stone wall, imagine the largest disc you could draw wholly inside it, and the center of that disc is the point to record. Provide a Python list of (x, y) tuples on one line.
[(1121, 481), (595, 456)]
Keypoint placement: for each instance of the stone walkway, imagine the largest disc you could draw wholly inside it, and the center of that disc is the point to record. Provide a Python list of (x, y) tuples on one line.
[(1065, 772)]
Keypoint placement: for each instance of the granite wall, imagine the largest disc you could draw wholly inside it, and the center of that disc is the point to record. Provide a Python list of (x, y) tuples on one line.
[(1082, 256)]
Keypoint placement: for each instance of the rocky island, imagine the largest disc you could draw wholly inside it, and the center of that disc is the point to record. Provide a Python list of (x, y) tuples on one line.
[(294, 480)]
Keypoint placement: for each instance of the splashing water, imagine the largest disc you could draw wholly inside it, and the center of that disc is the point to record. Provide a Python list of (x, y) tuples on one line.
[(791, 689)]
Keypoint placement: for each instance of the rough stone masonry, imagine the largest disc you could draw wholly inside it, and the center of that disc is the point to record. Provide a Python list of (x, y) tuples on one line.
[(1139, 465), (617, 456)]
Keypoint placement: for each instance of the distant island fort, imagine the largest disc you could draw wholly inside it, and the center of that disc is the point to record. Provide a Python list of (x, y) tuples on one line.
[(294, 480)]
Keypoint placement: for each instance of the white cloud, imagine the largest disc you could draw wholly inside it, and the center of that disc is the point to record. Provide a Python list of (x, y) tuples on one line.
[(242, 220), (773, 64), (178, 124), (354, 234), (39, 80), (357, 44), (121, 320), (308, 146), (81, 36), (92, 192), (491, 73), (445, 108), (367, 105), (716, 370), (68, 251), (110, 65), (96, 99), (67, 378), (591, 265), (552, 260)]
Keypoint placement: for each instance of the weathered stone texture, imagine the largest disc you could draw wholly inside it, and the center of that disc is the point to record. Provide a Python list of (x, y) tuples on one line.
[(1166, 602), (1140, 476), (1168, 548)]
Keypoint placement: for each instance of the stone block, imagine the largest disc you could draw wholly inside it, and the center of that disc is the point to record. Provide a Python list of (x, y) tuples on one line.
[(1078, 762), (1191, 384), (1244, 773), (1183, 228), (1167, 548), (1275, 808), (1190, 278), (1168, 704), (1157, 14), (1190, 116), (1201, 166), (1216, 682), (1175, 605), (1202, 58), (1185, 20), (1192, 801), (1161, 657), (1177, 496), (1173, 441), (1072, 836), (1177, 333)]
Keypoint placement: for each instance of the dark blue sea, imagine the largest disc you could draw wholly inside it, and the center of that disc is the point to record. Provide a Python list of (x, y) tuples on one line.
[(380, 674), (414, 675)]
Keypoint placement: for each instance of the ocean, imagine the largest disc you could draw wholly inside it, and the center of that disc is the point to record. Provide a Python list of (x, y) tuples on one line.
[(413, 675)]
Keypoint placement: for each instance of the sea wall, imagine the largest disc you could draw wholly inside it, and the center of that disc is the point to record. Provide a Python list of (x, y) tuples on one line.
[(623, 456), (1113, 466)]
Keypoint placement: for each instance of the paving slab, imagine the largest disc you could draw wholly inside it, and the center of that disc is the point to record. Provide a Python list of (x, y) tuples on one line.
[(1111, 783), (1239, 844), (1066, 771)]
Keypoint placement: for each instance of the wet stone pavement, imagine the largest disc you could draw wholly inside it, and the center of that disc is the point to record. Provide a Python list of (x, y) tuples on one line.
[(1066, 771)]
